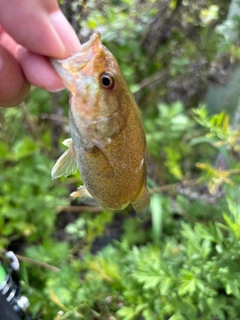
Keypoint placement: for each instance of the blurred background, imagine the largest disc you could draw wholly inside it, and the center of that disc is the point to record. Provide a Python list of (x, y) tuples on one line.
[(181, 61)]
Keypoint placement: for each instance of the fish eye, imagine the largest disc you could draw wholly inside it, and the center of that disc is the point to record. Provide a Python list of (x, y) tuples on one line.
[(107, 81)]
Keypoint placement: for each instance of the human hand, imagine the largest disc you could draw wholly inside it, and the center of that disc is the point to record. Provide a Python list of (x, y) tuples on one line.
[(31, 31)]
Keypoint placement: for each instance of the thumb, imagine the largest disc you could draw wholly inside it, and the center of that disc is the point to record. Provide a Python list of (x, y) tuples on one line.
[(13, 85)]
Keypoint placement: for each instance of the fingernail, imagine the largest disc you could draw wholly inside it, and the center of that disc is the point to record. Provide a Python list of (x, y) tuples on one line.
[(56, 90)]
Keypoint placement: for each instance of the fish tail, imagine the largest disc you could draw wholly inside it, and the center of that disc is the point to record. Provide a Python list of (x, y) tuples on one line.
[(141, 204)]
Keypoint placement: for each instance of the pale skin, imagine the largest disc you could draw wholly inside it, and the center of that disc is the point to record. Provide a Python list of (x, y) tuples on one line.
[(30, 32)]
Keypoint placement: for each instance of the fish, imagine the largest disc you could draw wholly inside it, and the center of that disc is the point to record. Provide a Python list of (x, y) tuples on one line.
[(108, 143)]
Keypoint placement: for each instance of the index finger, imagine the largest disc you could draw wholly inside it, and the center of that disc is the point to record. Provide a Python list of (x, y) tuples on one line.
[(39, 26)]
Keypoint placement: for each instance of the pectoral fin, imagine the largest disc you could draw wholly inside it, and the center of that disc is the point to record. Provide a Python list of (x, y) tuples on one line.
[(141, 204), (81, 192), (66, 164)]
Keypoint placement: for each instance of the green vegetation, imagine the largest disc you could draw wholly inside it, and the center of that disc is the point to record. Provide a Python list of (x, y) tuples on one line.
[(182, 261)]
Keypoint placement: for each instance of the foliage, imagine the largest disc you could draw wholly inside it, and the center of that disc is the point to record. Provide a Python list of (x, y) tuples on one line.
[(182, 261), (170, 43), (27, 199), (168, 133), (191, 275)]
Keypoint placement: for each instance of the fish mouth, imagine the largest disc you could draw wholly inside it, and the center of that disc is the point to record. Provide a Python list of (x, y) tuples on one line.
[(79, 60)]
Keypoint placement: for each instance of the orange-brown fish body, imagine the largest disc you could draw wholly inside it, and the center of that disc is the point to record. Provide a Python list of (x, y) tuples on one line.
[(108, 140)]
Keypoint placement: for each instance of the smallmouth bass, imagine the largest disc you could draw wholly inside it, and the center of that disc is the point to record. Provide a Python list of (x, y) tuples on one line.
[(108, 142)]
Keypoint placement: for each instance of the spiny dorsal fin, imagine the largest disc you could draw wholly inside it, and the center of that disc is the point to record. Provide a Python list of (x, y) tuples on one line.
[(66, 164)]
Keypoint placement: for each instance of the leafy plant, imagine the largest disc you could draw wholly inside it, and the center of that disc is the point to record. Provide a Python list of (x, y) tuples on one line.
[(182, 261)]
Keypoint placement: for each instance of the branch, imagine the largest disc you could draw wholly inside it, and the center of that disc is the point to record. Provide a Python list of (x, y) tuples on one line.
[(29, 260), (54, 117), (173, 186), (79, 208), (38, 263), (158, 76)]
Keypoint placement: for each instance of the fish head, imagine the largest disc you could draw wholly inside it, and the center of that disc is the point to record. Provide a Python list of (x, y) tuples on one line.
[(94, 79)]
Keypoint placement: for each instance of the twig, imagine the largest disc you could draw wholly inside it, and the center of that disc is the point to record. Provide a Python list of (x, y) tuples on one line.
[(54, 117), (32, 261), (38, 263), (194, 195), (153, 78), (173, 187), (183, 188), (79, 208)]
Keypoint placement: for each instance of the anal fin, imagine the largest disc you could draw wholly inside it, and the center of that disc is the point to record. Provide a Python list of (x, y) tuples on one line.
[(141, 204)]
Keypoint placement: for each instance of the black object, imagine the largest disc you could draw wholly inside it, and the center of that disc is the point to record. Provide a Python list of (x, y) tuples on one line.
[(6, 310), (13, 306)]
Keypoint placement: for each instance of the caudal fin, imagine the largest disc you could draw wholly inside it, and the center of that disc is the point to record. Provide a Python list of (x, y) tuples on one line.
[(141, 204)]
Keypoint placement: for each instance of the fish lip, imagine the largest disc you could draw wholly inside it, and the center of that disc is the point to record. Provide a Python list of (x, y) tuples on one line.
[(79, 60)]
